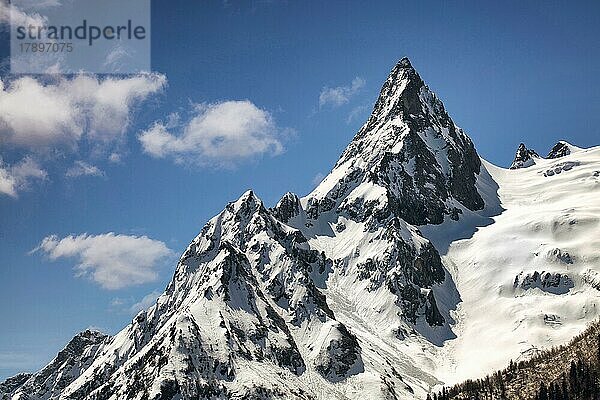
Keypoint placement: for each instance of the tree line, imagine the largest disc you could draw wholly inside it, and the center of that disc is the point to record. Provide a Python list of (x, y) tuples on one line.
[(575, 375)]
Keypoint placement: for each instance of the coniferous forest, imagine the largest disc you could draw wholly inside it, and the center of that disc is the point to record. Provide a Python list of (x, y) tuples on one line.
[(568, 372)]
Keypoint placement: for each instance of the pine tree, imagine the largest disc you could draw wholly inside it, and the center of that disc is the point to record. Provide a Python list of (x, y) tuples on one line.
[(543, 392), (565, 388), (573, 386)]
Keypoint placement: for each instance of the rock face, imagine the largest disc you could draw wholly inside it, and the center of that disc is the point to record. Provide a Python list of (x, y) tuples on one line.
[(425, 165), (524, 158), (551, 282), (52, 380), (312, 298), (560, 149), (10, 385)]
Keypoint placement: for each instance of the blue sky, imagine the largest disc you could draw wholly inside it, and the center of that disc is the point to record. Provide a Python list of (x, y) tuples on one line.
[(306, 73)]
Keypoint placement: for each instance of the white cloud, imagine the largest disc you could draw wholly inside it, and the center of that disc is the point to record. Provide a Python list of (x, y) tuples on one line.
[(18, 177), (19, 17), (113, 261), (36, 114), (131, 306), (220, 134), (117, 302), (340, 95), (81, 168)]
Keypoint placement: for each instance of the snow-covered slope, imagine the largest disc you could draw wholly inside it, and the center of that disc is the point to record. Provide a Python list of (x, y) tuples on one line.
[(529, 277), (413, 264)]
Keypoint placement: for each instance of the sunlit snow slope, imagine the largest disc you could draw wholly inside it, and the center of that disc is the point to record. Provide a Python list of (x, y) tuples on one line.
[(529, 277)]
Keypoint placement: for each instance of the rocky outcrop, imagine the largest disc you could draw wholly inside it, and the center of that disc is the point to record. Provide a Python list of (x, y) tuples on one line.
[(12, 384), (551, 282), (69, 364), (339, 355), (287, 208), (560, 256), (524, 157), (560, 149)]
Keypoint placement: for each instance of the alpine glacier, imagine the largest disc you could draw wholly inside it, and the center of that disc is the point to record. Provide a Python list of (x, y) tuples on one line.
[(413, 264)]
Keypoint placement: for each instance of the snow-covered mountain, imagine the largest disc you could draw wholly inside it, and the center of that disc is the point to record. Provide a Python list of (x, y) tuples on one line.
[(413, 264)]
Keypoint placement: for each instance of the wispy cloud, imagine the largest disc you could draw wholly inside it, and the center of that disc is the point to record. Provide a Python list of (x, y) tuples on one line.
[(222, 134), (318, 178), (117, 58), (131, 306), (8, 11), (146, 302), (113, 261), (357, 112), (340, 95), (18, 177), (81, 168)]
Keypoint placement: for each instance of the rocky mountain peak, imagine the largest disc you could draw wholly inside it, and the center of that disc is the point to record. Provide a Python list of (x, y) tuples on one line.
[(287, 208), (281, 302), (524, 157), (247, 204), (423, 164), (560, 149), (68, 364), (399, 92)]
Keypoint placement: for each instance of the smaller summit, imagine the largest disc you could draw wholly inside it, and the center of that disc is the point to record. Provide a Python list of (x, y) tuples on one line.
[(524, 158), (404, 62), (287, 208), (247, 204), (68, 364), (560, 149)]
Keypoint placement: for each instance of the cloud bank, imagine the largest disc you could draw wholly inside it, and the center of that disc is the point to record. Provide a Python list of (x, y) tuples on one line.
[(36, 115)]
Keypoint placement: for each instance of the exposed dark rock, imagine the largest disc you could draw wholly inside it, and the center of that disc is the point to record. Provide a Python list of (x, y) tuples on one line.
[(560, 167), (69, 363), (524, 157), (560, 149), (560, 256), (432, 313), (13, 383), (287, 208), (555, 283), (340, 356)]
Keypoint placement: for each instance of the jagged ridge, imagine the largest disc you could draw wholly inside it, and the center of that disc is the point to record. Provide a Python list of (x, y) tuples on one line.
[(280, 303)]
